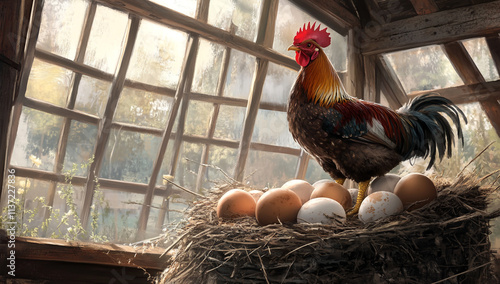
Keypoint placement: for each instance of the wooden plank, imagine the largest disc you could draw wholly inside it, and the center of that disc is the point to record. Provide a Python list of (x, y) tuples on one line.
[(93, 253), (106, 122), (390, 84), (302, 166), (436, 28), (330, 13), (370, 92), (61, 111), (494, 47), (468, 93), (137, 128), (176, 20), (424, 7)]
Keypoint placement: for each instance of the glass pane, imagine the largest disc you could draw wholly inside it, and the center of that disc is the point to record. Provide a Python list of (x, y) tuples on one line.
[(158, 55), (186, 7), (129, 156), (188, 164), (31, 197), (165, 165), (106, 39), (240, 74), (92, 95), (315, 172), (49, 83), (61, 26), (225, 159), (154, 212), (271, 127), (37, 139), (198, 118), (423, 69), (118, 218), (243, 13), (208, 66), (230, 122), (68, 196), (279, 81), (290, 19), (269, 169), (143, 108), (80, 148), (480, 53)]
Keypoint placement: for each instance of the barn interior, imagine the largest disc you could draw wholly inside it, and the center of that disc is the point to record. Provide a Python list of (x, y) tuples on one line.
[(112, 109)]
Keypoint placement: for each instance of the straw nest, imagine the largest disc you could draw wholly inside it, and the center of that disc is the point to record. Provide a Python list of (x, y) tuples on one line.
[(446, 241)]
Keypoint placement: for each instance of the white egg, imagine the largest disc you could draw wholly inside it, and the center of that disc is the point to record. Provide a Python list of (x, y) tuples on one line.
[(320, 210), (379, 205), (354, 195), (384, 183)]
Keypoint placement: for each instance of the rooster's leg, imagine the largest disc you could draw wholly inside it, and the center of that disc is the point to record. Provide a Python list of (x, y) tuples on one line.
[(363, 186), (340, 181)]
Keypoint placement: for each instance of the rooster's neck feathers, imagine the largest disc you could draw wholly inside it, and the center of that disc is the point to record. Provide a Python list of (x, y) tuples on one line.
[(322, 83)]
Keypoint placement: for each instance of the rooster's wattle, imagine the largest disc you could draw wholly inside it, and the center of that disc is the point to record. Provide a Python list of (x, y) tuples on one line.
[(356, 139)]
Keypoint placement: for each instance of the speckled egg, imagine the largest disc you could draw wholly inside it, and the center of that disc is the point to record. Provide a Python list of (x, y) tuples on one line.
[(334, 191), (301, 187), (384, 183), (354, 195), (379, 205), (278, 205), (236, 203), (321, 210), (415, 190)]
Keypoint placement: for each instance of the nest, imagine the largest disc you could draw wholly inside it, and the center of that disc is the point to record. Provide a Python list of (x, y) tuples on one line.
[(446, 241)]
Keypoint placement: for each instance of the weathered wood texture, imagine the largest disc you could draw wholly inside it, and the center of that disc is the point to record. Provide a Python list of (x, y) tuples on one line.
[(435, 28), (390, 84)]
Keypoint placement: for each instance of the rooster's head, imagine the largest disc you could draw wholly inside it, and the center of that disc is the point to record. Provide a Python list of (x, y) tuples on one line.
[(308, 42)]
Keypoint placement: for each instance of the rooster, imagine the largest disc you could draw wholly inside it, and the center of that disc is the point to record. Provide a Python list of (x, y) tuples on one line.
[(357, 139)]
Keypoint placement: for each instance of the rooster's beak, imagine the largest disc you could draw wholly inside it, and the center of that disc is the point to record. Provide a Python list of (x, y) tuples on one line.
[(293, 47)]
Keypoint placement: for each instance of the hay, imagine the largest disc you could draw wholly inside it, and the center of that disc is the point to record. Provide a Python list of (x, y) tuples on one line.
[(446, 241)]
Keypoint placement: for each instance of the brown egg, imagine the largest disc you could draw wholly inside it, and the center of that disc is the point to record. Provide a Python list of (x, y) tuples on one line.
[(321, 181), (334, 191), (415, 190), (301, 187), (278, 205), (236, 203)]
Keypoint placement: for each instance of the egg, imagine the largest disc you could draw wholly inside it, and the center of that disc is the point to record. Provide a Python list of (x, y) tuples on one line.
[(321, 210), (278, 205), (236, 203), (256, 194), (354, 195), (379, 205), (334, 191), (384, 183), (301, 187), (415, 190), (320, 182)]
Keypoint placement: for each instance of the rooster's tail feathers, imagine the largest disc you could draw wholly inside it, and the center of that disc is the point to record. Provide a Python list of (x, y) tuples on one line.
[(427, 129)]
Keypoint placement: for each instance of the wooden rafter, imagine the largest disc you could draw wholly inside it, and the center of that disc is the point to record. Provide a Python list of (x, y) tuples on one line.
[(435, 28), (494, 47), (471, 93), (330, 13), (470, 74), (390, 84)]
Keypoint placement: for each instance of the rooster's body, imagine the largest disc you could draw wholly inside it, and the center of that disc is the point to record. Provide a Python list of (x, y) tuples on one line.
[(356, 139)]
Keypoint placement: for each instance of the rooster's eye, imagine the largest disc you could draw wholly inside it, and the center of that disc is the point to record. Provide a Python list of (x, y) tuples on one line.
[(308, 45)]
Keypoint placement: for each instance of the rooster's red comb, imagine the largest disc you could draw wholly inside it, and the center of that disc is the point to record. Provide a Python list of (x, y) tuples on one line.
[(319, 36)]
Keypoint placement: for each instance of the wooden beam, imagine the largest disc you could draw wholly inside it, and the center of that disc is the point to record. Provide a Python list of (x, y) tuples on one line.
[(355, 67), (301, 171), (484, 91), (494, 47), (436, 28), (176, 20), (61, 111), (330, 13), (390, 84), (370, 90)]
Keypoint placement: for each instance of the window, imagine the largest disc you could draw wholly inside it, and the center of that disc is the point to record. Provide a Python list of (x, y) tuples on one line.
[(115, 101)]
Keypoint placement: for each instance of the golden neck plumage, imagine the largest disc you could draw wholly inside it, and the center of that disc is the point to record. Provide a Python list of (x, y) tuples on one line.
[(322, 83)]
